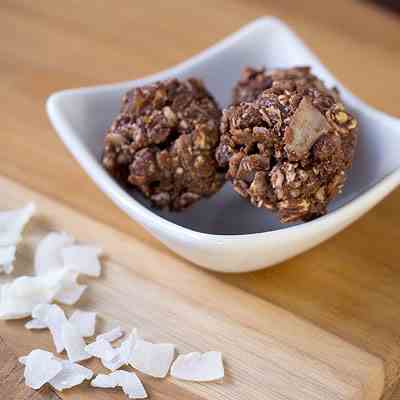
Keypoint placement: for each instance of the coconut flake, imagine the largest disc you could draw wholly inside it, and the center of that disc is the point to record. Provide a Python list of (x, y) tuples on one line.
[(74, 343), (152, 359), (68, 291), (72, 295), (40, 368), (131, 384), (124, 352), (101, 349), (70, 375), (199, 367), (12, 223), (53, 316), (35, 324), (7, 268), (19, 297), (7, 257), (104, 381), (22, 360), (128, 345), (116, 363), (82, 259), (111, 335), (48, 253), (85, 321), (129, 381), (71, 290)]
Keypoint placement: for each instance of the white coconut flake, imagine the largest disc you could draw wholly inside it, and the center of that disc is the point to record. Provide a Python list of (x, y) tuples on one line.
[(19, 297), (115, 363), (72, 295), (40, 368), (85, 321), (35, 324), (53, 316), (12, 224), (111, 335), (57, 280), (198, 367), (131, 384), (128, 345), (70, 375), (71, 290), (101, 349), (7, 257), (74, 343), (48, 253), (104, 381), (22, 360), (124, 352), (120, 359), (83, 259), (128, 381), (152, 359), (7, 268)]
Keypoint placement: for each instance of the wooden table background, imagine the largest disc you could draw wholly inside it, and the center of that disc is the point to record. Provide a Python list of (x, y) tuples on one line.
[(47, 46)]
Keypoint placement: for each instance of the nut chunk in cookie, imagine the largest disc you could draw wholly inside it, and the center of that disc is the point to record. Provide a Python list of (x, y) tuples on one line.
[(289, 148), (163, 143)]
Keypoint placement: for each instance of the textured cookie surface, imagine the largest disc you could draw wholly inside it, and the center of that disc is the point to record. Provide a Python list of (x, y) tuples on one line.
[(163, 143), (288, 149)]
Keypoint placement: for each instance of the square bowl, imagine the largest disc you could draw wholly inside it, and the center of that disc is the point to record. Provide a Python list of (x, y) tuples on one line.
[(225, 233)]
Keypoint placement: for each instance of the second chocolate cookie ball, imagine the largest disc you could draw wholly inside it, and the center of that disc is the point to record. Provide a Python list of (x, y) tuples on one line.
[(288, 148)]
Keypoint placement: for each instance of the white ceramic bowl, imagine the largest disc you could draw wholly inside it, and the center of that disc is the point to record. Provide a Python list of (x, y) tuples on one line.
[(225, 233)]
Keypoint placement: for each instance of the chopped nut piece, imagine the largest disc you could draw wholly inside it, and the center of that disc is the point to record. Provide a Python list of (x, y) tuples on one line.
[(306, 126), (341, 117), (353, 124)]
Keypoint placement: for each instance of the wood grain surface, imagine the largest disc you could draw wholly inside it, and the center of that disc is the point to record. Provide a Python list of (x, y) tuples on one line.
[(12, 386), (270, 357), (349, 286)]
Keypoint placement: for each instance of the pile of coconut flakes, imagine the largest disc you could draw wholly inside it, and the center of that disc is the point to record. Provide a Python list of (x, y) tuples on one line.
[(58, 262)]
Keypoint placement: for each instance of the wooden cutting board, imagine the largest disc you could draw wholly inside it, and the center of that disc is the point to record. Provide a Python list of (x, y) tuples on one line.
[(269, 353), (348, 286), (12, 385)]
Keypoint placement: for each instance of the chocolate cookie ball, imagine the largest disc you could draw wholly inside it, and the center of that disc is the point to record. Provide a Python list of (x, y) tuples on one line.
[(288, 150), (163, 143)]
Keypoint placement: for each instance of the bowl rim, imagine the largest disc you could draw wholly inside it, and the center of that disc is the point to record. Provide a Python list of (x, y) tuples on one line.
[(139, 212)]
